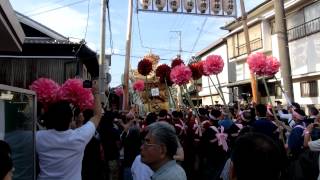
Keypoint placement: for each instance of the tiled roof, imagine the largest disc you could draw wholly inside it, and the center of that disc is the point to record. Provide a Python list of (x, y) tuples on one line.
[(47, 41)]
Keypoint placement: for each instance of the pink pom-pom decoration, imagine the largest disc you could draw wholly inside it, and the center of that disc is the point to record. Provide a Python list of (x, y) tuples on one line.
[(272, 67), (196, 70), (46, 90), (119, 91), (145, 67), (73, 92), (257, 63), (262, 65), (180, 74), (213, 65), (176, 62), (138, 85), (201, 65)]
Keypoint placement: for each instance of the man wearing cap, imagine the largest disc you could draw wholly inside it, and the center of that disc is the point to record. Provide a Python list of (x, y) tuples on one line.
[(264, 125), (295, 140), (294, 106)]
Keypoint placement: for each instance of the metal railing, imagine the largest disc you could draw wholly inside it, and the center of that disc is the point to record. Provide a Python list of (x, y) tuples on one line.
[(241, 49), (305, 29)]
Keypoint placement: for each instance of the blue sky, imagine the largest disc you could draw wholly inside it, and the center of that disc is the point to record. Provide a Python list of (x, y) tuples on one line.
[(155, 28)]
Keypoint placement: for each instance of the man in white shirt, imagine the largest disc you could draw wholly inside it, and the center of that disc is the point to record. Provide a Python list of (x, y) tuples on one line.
[(139, 170), (288, 116), (60, 149)]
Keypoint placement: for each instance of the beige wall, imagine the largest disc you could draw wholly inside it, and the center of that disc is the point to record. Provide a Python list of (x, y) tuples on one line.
[(305, 100), (305, 55), (223, 77), (236, 42)]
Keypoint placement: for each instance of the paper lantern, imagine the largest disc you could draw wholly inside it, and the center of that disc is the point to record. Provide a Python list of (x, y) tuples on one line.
[(202, 5), (228, 6), (174, 5), (160, 4), (215, 6), (189, 5), (145, 3)]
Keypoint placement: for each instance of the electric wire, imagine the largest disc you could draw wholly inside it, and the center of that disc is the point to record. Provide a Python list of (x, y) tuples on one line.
[(57, 8), (83, 41), (199, 34), (87, 21), (110, 29), (153, 48), (45, 5), (138, 57)]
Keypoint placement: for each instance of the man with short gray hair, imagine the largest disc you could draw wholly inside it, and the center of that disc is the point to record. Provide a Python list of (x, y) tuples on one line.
[(158, 150)]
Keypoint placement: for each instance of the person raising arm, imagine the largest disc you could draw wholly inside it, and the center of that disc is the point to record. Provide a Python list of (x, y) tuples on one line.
[(97, 104)]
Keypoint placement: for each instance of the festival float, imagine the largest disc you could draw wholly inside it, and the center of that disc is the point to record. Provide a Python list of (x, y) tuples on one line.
[(147, 84)]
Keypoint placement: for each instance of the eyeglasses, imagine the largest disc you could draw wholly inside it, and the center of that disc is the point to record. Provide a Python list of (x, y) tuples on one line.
[(146, 144)]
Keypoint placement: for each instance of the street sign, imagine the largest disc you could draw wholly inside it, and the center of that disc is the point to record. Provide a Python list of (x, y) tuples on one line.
[(155, 92)]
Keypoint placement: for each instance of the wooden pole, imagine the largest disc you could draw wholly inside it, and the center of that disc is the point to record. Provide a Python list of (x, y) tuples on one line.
[(125, 104), (246, 35), (281, 32)]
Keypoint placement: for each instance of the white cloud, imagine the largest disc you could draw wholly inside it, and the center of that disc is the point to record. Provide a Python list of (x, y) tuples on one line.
[(66, 21), (92, 46)]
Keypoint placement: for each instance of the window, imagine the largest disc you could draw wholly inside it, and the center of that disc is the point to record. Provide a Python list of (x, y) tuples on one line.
[(295, 19), (237, 42), (312, 12), (304, 22), (309, 89)]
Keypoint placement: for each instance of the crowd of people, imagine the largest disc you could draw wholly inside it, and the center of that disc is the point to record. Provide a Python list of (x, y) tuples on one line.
[(242, 142)]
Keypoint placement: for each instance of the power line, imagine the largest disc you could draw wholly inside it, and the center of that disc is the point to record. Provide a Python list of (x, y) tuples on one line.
[(87, 22), (177, 20), (200, 33), (82, 42), (110, 29), (54, 9), (138, 57), (159, 49), (40, 7), (139, 31)]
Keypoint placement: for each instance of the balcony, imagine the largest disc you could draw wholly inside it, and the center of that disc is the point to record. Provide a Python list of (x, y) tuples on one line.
[(303, 30), (241, 49)]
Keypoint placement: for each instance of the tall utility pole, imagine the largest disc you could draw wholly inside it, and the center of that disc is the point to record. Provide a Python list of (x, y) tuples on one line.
[(281, 31), (125, 104), (246, 35), (179, 89), (107, 63), (102, 51)]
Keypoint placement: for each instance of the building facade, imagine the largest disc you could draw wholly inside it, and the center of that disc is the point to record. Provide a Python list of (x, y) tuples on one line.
[(208, 90), (46, 53), (303, 29)]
